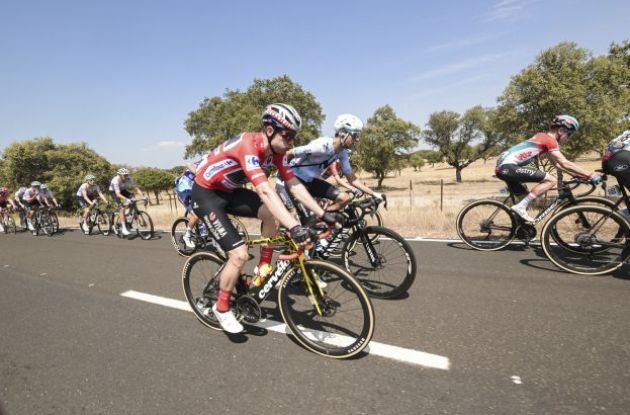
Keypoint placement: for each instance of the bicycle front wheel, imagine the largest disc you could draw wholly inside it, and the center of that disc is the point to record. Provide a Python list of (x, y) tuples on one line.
[(144, 225), (587, 240), (334, 318), (486, 225), (9, 225), (177, 237), (200, 279), (381, 260), (54, 219)]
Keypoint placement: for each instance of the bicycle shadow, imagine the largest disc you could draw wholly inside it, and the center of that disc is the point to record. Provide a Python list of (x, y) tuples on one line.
[(513, 247)]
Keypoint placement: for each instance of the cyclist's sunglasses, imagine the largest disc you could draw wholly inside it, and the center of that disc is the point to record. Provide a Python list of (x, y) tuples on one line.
[(355, 135), (287, 134)]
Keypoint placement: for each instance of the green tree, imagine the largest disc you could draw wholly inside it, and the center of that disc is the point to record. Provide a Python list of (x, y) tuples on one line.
[(219, 118), (154, 180), (26, 161), (567, 79), (462, 139), (383, 139), (416, 161)]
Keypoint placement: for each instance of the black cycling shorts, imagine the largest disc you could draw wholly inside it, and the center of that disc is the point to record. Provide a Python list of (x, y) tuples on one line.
[(321, 189), (214, 205), (514, 176), (619, 166), (117, 199)]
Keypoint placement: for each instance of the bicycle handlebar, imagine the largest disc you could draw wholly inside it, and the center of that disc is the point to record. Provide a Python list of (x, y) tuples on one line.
[(314, 233)]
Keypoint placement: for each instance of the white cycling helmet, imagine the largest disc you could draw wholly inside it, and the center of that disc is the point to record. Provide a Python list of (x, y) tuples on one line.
[(35, 184), (89, 177), (347, 124), (282, 116), (43, 186), (567, 121), (123, 170)]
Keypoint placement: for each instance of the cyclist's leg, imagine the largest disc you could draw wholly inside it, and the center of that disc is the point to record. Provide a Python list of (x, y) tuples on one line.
[(514, 175), (321, 189), (213, 206), (619, 167)]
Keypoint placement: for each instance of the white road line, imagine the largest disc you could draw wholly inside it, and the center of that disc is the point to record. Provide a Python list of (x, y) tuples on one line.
[(375, 348)]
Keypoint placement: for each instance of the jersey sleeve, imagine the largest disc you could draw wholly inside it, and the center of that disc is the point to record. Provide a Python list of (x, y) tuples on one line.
[(344, 158), (315, 147), (284, 171), (249, 159)]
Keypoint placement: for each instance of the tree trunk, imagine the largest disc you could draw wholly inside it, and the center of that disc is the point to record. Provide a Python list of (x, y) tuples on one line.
[(458, 174), (381, 177), (157, 197)]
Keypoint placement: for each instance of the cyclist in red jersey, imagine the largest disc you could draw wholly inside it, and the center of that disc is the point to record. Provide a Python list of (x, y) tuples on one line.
[(512, 163), (218, 191)]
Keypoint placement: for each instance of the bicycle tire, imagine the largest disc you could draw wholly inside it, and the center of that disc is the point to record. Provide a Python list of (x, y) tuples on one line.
[(240, 228), (143, 221), (384, 280), (491, 209), (103, 223), (201, 286), (9, 225), (343, 300), (176, 237), (589, 256), (55, 221)]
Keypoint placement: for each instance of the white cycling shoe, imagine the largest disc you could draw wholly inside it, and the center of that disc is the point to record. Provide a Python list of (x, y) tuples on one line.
[(227, 321), (522, 212), (85, 228), (188, 242), (125, 232)]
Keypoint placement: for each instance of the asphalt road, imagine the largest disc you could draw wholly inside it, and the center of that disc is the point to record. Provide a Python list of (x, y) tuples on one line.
[(520, 337)]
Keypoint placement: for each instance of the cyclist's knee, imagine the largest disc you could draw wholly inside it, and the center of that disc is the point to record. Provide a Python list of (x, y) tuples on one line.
[(238, 256), (549, 178)]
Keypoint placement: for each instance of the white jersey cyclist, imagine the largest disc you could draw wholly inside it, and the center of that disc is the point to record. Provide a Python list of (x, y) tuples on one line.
[(89, 190), (19, 194), (311, 161), (117, 184)]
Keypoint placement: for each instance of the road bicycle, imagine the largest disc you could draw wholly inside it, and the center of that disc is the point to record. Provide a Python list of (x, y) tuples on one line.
[(98, 219), (200, 235), (489, 225), (43, 222), (589, 240), (8, 223), (324, 307), (135, 219), (379, 258)]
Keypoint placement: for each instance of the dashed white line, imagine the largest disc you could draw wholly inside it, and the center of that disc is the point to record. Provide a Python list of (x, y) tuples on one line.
[(400, 354)]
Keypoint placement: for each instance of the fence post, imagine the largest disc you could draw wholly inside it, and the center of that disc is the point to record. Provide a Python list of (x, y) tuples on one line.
[(441, 195), (410, 195), (170, 204)]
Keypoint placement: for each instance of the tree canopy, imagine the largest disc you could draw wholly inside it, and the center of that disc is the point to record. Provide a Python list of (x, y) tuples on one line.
[(219, 118), (154, 180), (383, 139)]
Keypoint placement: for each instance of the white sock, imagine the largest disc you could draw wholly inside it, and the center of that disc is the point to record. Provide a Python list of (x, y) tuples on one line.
[(526, 201)]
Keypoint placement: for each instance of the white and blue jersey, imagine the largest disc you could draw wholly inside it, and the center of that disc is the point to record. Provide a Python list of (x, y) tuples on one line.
[(310, 161), (183, 187)]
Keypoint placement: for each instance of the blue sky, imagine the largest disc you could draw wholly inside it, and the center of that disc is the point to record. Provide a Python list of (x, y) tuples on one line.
[(123, 75)]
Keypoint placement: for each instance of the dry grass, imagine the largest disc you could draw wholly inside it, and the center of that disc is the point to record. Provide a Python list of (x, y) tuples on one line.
[(414, 212)]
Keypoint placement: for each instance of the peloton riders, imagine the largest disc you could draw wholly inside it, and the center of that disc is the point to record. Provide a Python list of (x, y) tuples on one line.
[(5, 201), (218, 191), (119, 190), (86, 196), (512, 164)]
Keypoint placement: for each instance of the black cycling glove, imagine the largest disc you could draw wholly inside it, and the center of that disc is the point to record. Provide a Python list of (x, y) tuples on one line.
[(300, 234)]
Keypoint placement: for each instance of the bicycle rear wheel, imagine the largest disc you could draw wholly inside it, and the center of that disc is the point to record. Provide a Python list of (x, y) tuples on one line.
[(9, 225), (486, 225), (587, 240), (144, 225), (346, 323), (45, 224), (381, 260), (201, 286), (55, 221), (103, 223)]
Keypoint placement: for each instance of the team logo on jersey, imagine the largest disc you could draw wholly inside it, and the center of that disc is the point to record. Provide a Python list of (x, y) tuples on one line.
[(213, 169), (251, 163)]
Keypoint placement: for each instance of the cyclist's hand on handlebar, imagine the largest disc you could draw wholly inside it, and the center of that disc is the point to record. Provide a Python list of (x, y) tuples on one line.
[(300, 235), (356, 192), (378, 196)]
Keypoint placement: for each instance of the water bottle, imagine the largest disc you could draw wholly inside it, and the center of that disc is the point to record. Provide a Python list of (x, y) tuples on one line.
[(260, 274)]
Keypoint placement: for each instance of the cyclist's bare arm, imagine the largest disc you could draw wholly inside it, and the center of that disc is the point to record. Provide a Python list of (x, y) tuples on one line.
[(561, 161), (271, 199), (356, 182), (103, 198), (341, 183)]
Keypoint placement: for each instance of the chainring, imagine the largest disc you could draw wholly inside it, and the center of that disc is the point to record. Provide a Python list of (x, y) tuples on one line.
[(248, 309), (526, 232)]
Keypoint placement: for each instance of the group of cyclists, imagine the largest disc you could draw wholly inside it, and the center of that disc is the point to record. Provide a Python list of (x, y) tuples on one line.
[(213, 187), (38, 195), (26, 200)]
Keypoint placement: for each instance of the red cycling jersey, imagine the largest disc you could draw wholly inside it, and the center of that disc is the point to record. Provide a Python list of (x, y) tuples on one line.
[(237, 160)]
